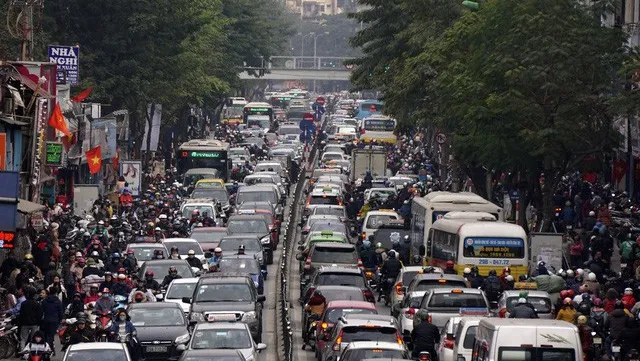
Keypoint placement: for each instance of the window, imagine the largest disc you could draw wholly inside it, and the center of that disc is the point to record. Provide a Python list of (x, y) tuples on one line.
[(535, 354), (179, 290), (445, 246), (103, 354), (334, 255), (157, 317), (541, 304), (247, 226), (221, 339), (361, 333), (340, 279), (224, 292), (335, 313), (469, 337), (456, 300), (185, 247), (375, 221)]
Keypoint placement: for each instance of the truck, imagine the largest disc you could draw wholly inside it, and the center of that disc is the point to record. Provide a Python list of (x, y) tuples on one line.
[(363, 160)]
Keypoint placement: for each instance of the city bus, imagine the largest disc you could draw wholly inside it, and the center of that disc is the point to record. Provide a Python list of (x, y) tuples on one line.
[(378, 127), (367, 108), (488, 245), (232, 113), (204, 153), (259, 115), (433, 206)]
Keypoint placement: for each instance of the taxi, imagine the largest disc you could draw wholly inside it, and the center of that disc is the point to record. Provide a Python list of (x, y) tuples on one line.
[(210, 183), (406, 275), (324, 236)]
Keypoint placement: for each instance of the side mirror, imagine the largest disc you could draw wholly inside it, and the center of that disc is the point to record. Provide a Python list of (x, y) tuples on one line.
[(261, 346), (186, 299), (262, 299), (181, 347), (299, 257), (404, 289)]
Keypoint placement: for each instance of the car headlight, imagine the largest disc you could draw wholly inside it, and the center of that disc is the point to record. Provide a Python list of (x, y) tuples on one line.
[(182, 339), (249, 316), (197, 316), (265, 240)]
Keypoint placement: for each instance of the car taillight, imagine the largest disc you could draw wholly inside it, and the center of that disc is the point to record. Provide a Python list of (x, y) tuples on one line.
[(368, 295), (324, 325), (307, 263), (399, 339), (336, 345), (364, 236), (449, 343), (360, 264), (502, 313), (399, 289), (410, 313), (425, 356)]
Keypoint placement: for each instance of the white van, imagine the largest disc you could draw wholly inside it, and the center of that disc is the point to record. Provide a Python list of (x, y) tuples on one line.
[(526, 340)]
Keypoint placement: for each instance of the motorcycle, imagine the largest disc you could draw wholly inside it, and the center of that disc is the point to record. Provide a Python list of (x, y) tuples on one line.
[(103, 324), (597, 345), (385, 289), (120, 302), (424, 356), (310, 334), (371, 275), (36, 355), (8, 338)]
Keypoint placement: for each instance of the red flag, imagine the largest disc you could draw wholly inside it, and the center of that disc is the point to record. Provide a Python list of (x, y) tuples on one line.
[(94, 160), (69, 140), (57, 120), (115, 160), (82, 95)]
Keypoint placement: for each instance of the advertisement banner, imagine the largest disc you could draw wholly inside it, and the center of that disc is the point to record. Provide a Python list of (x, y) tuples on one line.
[(132, 173), (53, 154), (103, 134), (67, 60)]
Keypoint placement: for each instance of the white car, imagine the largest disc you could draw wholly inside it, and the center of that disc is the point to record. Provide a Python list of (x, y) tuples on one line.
[(374, 219), (456, 338), (144, 251), (404, 278), (226, 335), (97, 351), (184, 246), (180, 288)]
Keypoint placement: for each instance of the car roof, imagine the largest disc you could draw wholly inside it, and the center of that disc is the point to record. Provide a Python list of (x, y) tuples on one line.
[(154, 305), (248, 217), (337, 288), (375, 345), (96, 346), (145, 245), (473, 291), (333, 269), (324, 216), (333, 245), (432, 276), (383, 212), (357, 319), (530, 293), (185, 280), (214, 352), (208, 229), (225, 278), (239, 236), (351, 304), (221, 325), (179, 240)]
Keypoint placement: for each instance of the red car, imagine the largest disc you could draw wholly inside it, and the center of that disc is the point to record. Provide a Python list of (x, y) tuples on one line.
[(335, 310)]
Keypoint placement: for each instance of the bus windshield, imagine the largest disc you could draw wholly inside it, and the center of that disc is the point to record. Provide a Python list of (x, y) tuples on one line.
[(259, 121)]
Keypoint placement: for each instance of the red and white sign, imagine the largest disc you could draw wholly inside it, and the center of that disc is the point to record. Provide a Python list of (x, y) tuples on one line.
[(320, 100)]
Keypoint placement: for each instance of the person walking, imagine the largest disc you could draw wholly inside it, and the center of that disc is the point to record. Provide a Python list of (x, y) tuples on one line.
[(53, 314), (29, 317)]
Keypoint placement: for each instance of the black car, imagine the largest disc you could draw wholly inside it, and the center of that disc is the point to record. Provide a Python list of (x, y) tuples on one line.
[(245, 264), (160, 268), (256, 225), (161, 327), (212, 355), (227, 297), (337, 276)]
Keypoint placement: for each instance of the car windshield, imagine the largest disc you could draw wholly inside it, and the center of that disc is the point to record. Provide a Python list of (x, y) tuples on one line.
[(211, 193), (188, 210), (535, 354), (259, 121), (362, 333), (240, 265), (235, 152), (250, 181), (329, 226), (184, 247), (256, 196), (231, 245), (96, 355), (247, 226), (331, 156), (212, 358), (329, 211), (334, 255), (540, 304), (268, 168), (361, 354), (221, 339), (152, 317), (224, 292), (146, 253), (457, 300), (340, 279), (208, 236), (193, 178), (326, 200), (289, 130), (426, 285), (161, 270), (179, 290), (335, 313), (342, 293), (375, 221)]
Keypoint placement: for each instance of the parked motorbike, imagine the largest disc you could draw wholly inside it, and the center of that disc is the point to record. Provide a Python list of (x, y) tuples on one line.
[(8, 338)]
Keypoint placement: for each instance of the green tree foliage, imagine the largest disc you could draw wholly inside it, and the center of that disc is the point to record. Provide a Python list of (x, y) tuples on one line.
[(340, 29)]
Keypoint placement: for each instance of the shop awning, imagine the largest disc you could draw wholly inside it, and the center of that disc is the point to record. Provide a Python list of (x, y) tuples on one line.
[(9, 120), (28, 207)]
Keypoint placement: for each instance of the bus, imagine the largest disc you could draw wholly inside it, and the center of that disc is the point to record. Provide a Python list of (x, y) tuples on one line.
[(259, 115), (433, 206), (488, 245), (204, 153), (367, 108), (378, 127), (232, 113)]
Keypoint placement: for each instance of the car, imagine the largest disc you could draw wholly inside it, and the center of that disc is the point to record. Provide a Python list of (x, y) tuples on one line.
[(256, 225), (160, 268), (457, 338), (212, 355), (185, 245), (252, 247), (208, 237), (355, 327), (97, 351), (209, 183), (226, 336), (178, 289), (272, 223), (335, 148), (193, 175), (323, 236), (245, 264), (327, 156), (227, 298), (323, 196), (374, 219), (336, 309), (263, 205), (161, 327), (217, 194), (406, 275), (333, 293), (336, 276), (144, 251), (381, 193), (314, 219), (442, 303), (330, 210), (540, 300), (327, 254), (362, 350), (202, 205)]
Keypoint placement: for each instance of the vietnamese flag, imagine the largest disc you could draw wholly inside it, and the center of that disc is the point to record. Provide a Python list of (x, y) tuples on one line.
[(69, 140), (115, 159), (82, 95), (94, 160), (57, 120)]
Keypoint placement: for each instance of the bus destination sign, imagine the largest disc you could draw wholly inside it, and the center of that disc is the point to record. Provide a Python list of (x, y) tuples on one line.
[(201, 154)]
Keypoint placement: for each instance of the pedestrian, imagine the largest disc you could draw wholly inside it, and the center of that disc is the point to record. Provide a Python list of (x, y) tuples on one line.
[(52, 316), (29, 317)]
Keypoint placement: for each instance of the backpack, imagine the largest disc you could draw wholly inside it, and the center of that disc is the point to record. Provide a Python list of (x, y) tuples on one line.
[(493, 286), (598, 321), (584, 308)]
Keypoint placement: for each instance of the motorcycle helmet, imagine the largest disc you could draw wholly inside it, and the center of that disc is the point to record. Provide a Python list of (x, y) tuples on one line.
[(108, 274), (173, 270), (81, 261), (567, 301), (597, 302), (392, 254), (591, 277), (449, 264), (116, 255), (101, 223), (582, 320), (467, 271), (217, 250), (139, 297), (506, 269), (509, 278), (28, 257), (95, 254), (175, 249), (492, 272), (122, 276), (191, 253), (564, 294), (379, 245), (148, 274)]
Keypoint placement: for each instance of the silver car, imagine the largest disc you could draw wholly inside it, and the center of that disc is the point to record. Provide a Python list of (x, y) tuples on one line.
[(444, 303), (228, 336), (540, 300)]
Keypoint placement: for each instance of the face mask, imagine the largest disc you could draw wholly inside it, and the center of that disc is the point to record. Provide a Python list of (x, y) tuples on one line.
[(123, 318)]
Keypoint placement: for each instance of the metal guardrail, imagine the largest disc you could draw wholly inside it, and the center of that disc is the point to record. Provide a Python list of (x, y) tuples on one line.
[(308, 63)]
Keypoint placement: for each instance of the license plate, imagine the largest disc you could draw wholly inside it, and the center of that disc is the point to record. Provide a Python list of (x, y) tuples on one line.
[(157, 349), (597, 340), (615, 348)]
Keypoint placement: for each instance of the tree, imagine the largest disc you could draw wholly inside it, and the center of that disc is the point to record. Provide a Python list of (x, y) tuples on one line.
[(521, 89)]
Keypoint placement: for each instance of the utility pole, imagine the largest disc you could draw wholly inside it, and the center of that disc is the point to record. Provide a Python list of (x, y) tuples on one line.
[(25, 10)]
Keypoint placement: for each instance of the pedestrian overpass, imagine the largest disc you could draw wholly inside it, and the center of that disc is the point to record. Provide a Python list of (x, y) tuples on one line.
[(303, 68)]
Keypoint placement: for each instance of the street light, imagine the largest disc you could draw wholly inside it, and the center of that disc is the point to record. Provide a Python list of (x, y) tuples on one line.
[(315, 57), (302, 52)]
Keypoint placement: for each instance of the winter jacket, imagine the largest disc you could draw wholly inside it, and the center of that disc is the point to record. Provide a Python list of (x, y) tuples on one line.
[(617, 323), (522, 311), (30, 313), (576, 248), (566, 314), (629, 301), (52, 309)]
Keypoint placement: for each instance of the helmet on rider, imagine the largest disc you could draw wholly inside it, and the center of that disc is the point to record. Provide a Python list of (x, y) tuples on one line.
[(173, 270), (379, 245), (217, 251), (467, 271), (392, 254), (191, 253), (139, 297), (582, 320), (492, 272), (115, 256), (148, 275), (591, 277)]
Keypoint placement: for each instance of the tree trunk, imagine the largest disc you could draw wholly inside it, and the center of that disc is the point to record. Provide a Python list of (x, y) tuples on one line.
[(149, 118)]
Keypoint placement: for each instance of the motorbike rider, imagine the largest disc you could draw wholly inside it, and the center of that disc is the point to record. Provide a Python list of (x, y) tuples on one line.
[(217, 256), (475, 279), (390, 270), (108, 282), (240, 250), (174, 253), (37, 344), (130, 263), (100, 231), (91, 269), (381, 253), (81, 333), (141, 289), (449, 270), (121, 288), (105, 303), (586, 339), (491, 286), (368, 256), (424, 336), (173, 274), (123, 328), (193, 260), (150, 283), (95, 245), (522, 310), (115, 264), (313, 309), (207, 221)]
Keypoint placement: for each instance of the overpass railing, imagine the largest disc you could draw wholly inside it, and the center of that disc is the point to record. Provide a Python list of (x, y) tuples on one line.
[(309, 63)]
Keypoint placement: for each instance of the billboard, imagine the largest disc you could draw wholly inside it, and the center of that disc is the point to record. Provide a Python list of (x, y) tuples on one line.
[(67, 58), (132, 173)]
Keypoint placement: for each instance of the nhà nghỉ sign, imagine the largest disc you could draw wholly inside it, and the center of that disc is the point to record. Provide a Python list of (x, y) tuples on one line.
[(53, 151), (494, 247)]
